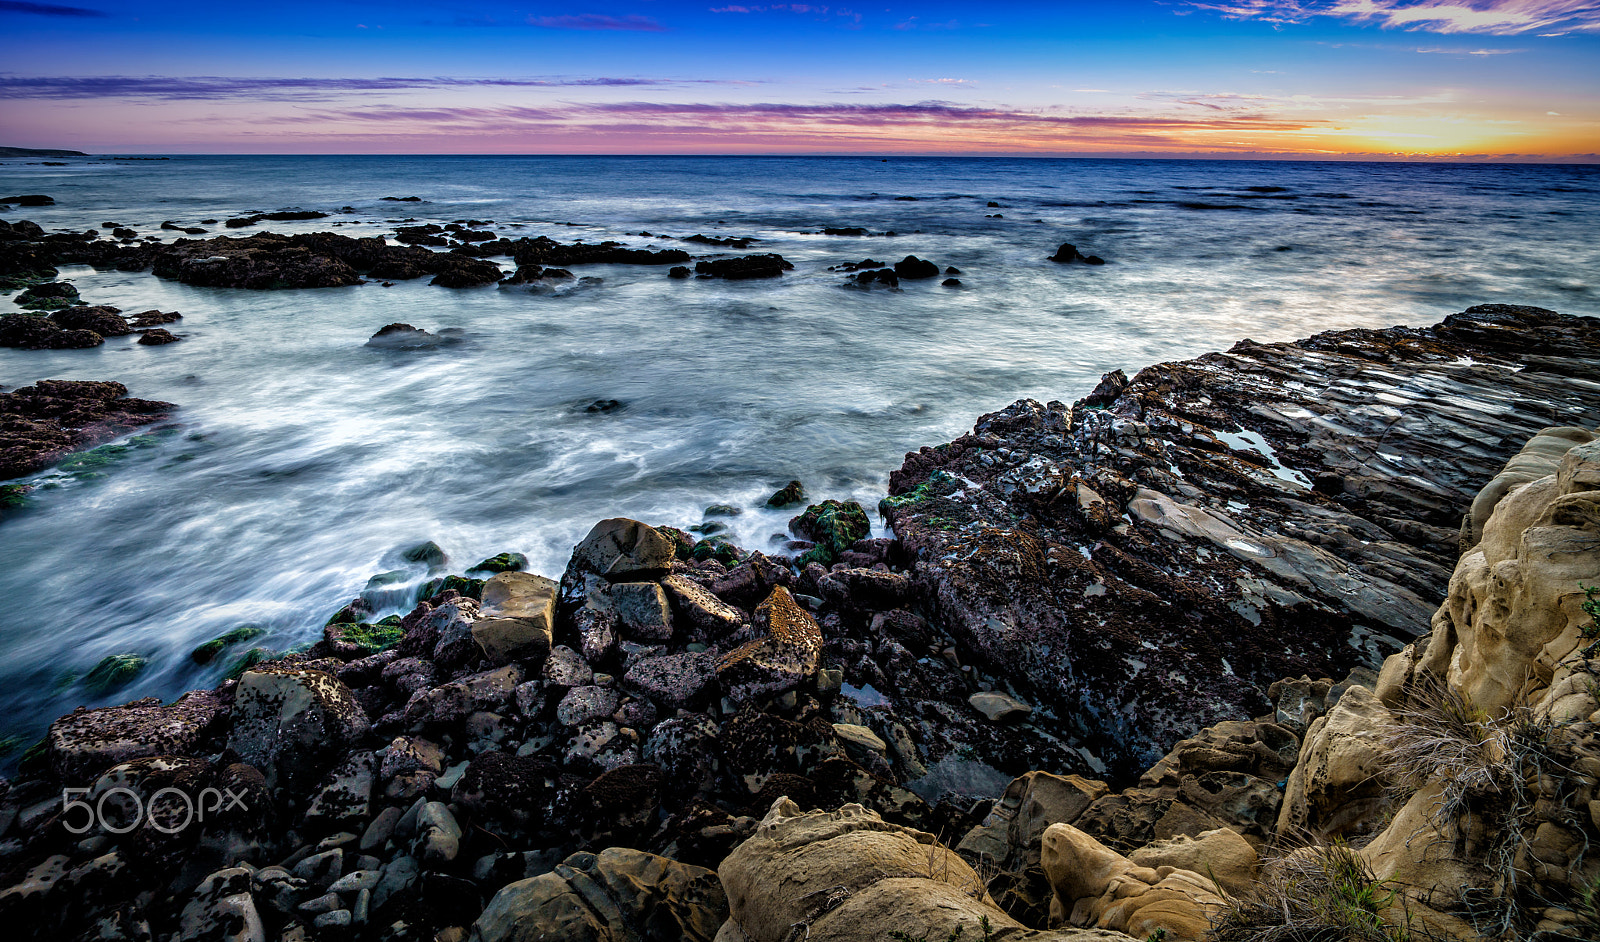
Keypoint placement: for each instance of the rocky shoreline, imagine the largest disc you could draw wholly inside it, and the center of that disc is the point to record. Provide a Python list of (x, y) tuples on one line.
[(1159, 615)]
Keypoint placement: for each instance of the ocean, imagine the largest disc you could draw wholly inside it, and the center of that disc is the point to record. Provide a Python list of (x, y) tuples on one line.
[(302, 462)]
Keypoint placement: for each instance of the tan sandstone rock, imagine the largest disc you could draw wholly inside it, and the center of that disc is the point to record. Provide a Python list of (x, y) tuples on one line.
[(849, 876), (519, 614), (1337, 787), (1223, 855), (1096, 886)]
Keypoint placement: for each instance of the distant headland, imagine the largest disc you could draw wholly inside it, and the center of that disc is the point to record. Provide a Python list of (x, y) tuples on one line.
[(35, 152)]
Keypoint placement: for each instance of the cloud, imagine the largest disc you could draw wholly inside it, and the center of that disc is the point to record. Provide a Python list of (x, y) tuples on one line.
[(46, 9), (219, 88), (1494, 17), (596, 21), (1440, 50)]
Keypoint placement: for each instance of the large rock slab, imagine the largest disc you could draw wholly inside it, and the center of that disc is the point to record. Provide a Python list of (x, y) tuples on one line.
[(1149, 560), (519, 614), (40, 424), (1096, 886), (86, 742), (293, 723), (777, 663), (617, 895)]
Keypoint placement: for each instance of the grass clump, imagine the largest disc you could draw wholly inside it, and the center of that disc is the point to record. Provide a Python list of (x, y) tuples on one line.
[(1323, 894)]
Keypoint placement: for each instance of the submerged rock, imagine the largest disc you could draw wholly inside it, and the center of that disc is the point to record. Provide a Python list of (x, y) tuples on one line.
[(769, 265)]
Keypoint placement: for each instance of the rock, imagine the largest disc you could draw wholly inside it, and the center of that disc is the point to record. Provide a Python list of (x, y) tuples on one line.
[(1097, 886), (32, 199), (519, 611), (1311, 542), (507, 791), (1540, 456), (769, 265), (546, 251), (42, 423), (777, 663), (102, 319), (504, 562), (619, 548), (405, 337), (114, 672), (1338, 786), (678, 272), (859, 741), (685, 749), (912, 268), (1222, 855), (865, 589), (438, 834), (998, 707), (642, 607), (156, 336), (701, 608), (84, 743), (222, 910), (27, 332), (833, 526), (455, 701), (1066, 252), (347, 795), (607, 897), (47, 296), (849, 875), (676, 681), (1010, 834), (565, 668), (787, 496), (581, 704), (292, 723)]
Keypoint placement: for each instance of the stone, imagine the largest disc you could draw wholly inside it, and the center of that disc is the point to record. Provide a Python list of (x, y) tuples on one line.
[(787, 496), (438, 834), (453, 702), (777, 663), (998, 707), (293, 723), (42, 424), (618, 548), (685, 749), (833, 525), (84, 743), (859, 741), (1539, 457), (700, 607), (566, 668), (347, 796), (1222, 855), (768, 265), (581, 704), (1338, 786), (677, 681), (222, 910), (607, 897), (849, 876), (1010, 834), (1096, 886), (642, 607), (518, 622)]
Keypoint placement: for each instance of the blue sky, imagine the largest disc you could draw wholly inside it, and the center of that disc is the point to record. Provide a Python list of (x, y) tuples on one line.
[(1395, 78)]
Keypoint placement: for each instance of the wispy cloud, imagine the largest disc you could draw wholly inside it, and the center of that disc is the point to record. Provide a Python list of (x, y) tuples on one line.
[(596, 21), (1494, 17), (219, 88), (1443, 51), (47, 9)]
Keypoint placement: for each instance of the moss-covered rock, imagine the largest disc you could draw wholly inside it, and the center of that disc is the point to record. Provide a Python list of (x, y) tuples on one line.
[(936, 484), (13, 496), (471, 588), (367, 637), (833, 525), (115, 672), (429, 553), (48, 296), (504, 562), (247, 660), (787, 496), (206, 653), (717, 548)]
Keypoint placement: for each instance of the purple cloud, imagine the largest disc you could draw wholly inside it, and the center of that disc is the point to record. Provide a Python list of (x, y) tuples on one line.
[(596, 21), (212, 88), (46, 9)]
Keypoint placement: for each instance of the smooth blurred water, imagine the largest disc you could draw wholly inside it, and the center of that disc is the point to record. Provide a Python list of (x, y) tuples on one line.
[(304, 461)]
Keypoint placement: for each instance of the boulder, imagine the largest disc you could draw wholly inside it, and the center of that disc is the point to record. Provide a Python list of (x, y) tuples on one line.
[(1338, 786), (769, 265), (617, 895), (699, 607), (618, 548), (912, 268), (222, 910), (1096, 886), (86, 742), (676, 681), (519, 611), (642, 608), (1221, 854), (780, 661), (1009, 836), (849, 876), (1540, 456), (293, 723)]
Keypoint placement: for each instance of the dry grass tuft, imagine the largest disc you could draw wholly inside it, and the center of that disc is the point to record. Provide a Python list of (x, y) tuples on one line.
[(1324, 894)]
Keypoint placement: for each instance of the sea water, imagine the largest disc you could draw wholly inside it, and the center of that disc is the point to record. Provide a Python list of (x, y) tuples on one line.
[(300, 462)]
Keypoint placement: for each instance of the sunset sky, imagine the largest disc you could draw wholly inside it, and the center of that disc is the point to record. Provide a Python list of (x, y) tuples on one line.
[(1482, 79)]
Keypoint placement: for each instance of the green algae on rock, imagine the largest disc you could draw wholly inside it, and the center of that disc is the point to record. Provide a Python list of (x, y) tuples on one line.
[(787, 496), (208, 652), (115, 672), (833, 525), (503, 562)]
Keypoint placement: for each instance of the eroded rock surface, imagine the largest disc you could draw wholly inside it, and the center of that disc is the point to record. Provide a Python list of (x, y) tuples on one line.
[(40, 424), (1152, 559)]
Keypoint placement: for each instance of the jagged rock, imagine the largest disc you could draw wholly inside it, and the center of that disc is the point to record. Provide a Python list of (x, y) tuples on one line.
[(566, 668), (222, 910), (582, 704), (86, 742), (455, 701), (780, 661), (1010, 834), (1096, 886), (1338, 786), (519, 613), (676, 681), (293, 723), (618, 548), (642, 607), (1265, 541), (1221, 855), (700, 608), (612, 896), (849, 876), (347, 795), (684, 748)]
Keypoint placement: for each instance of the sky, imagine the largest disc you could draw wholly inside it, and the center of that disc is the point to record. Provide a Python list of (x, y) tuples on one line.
[(1315, 79)]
